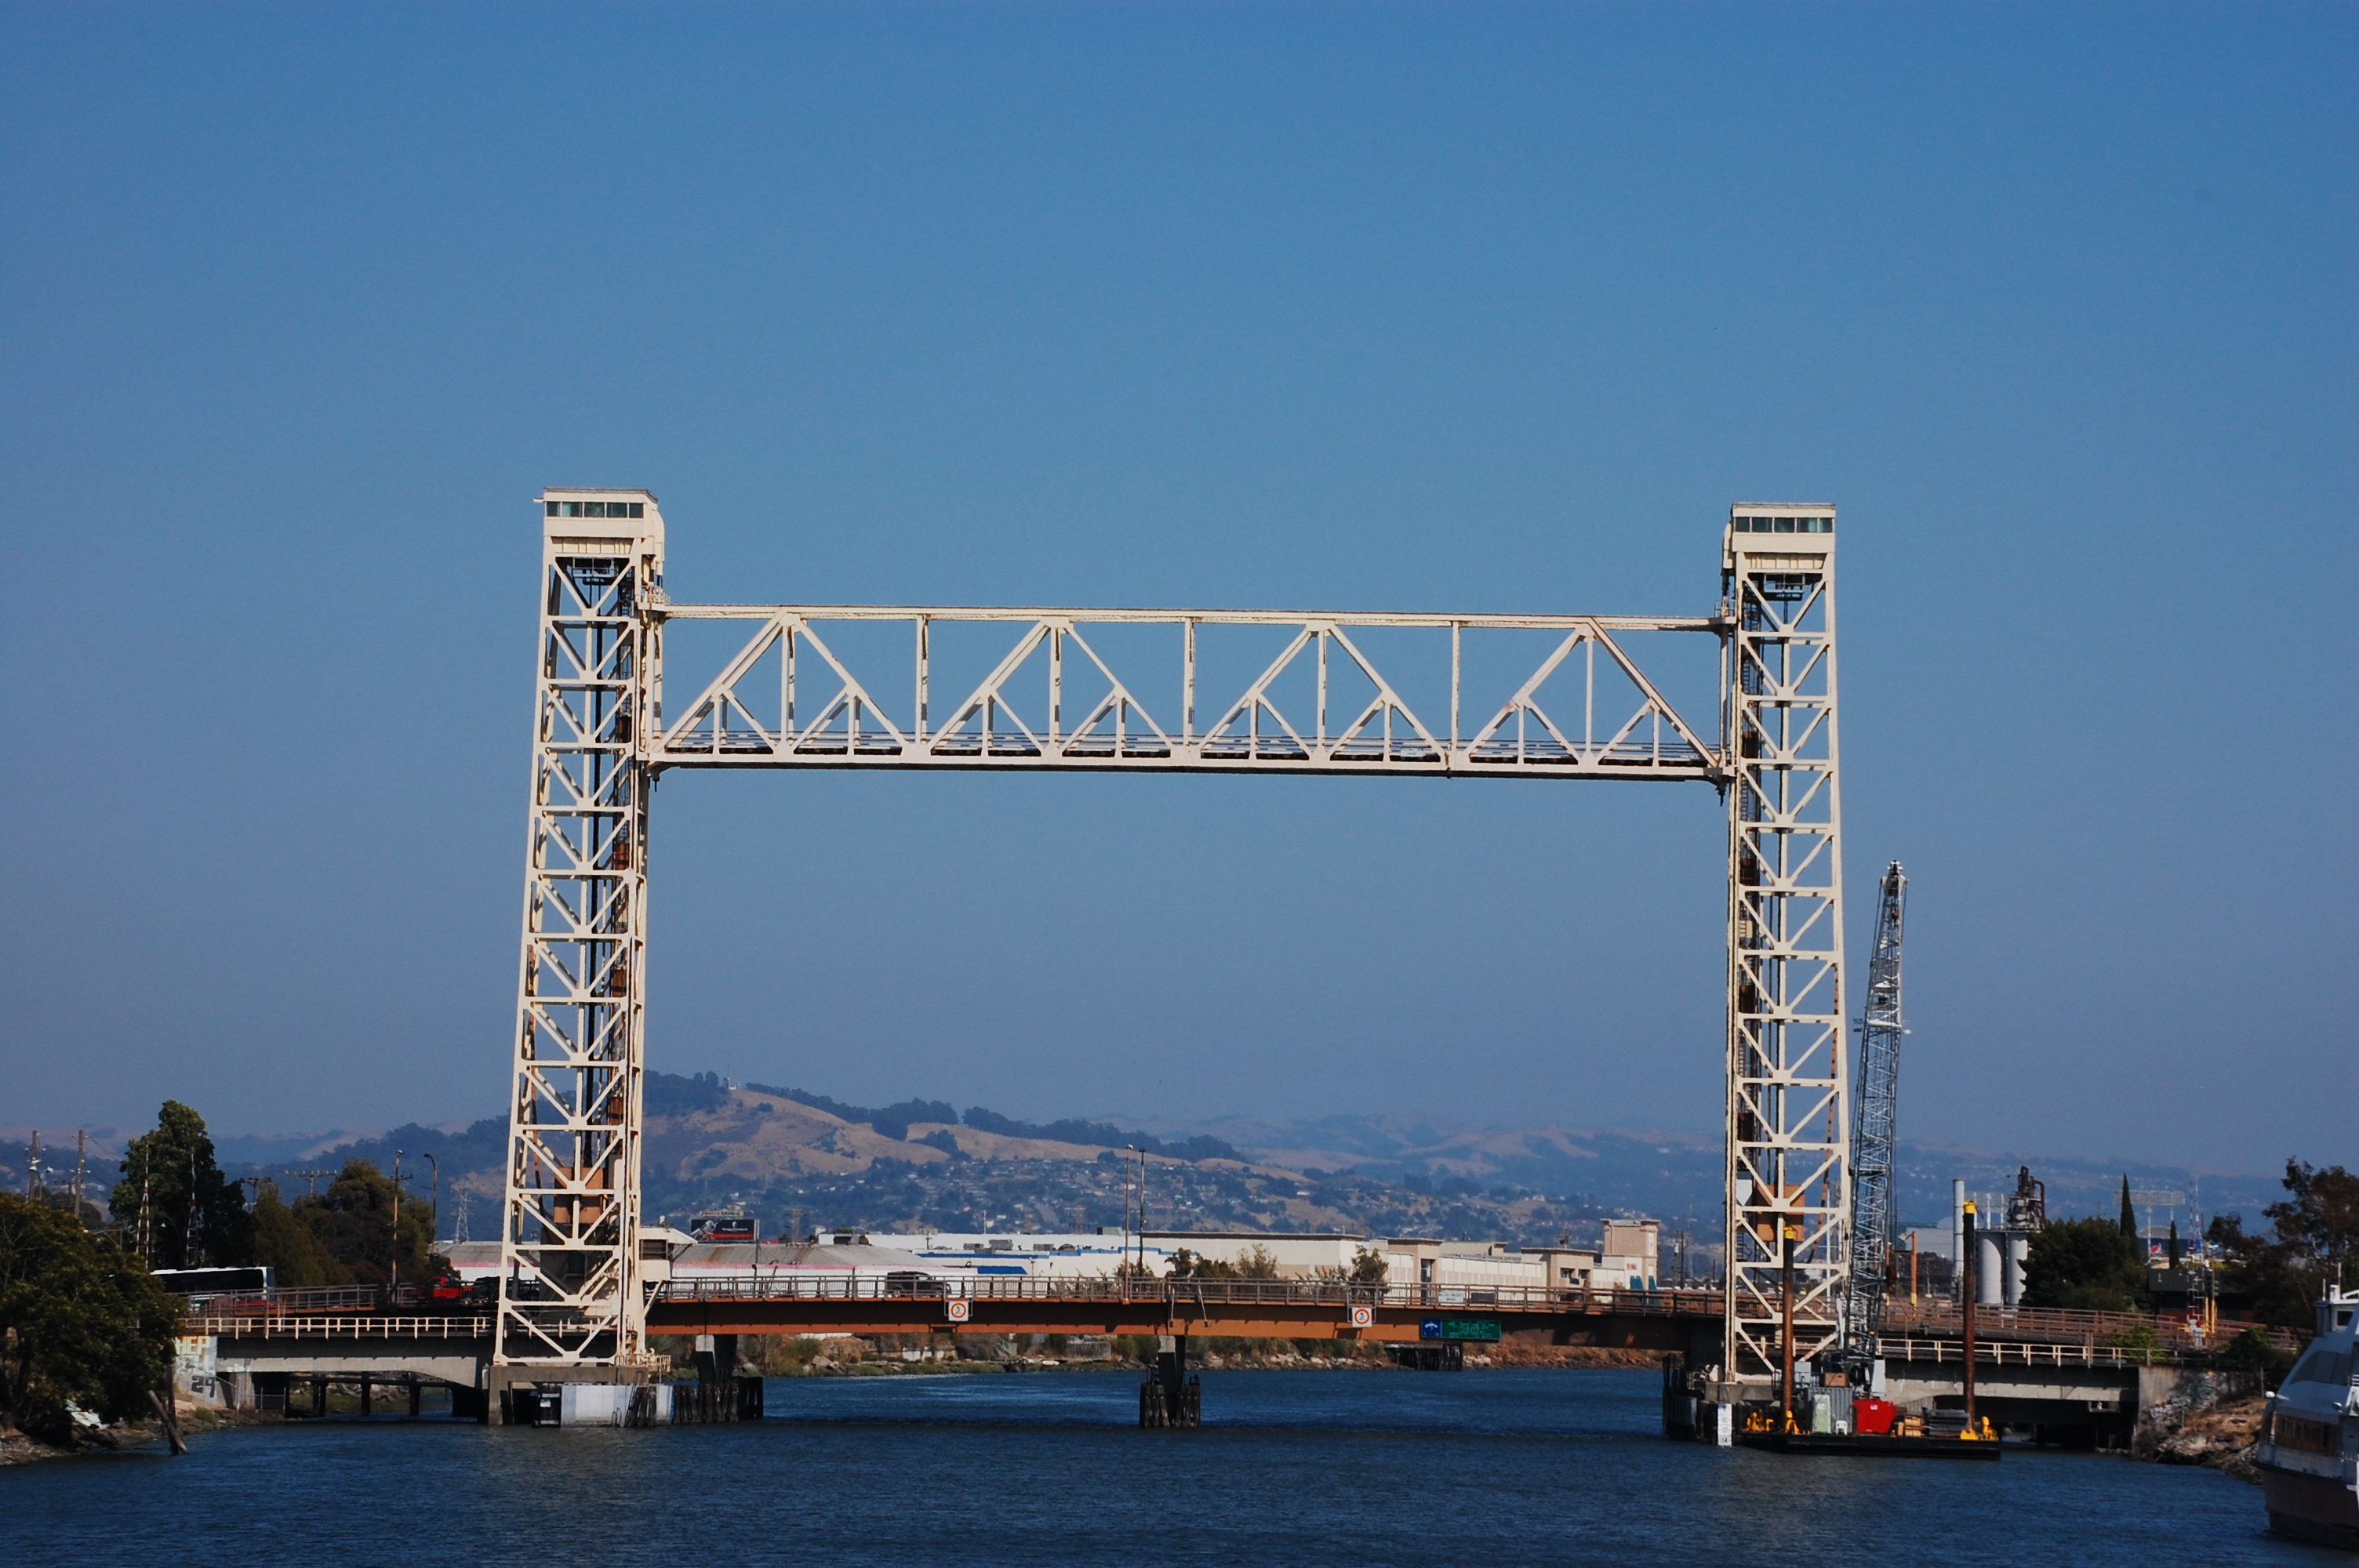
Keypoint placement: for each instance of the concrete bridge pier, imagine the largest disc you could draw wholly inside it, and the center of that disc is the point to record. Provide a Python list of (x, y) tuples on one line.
[(2086, 1406), (576, 1396)]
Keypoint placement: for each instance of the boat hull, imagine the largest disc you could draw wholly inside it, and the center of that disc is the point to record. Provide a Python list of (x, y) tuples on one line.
[(2323, 1510), (1863, 1447)]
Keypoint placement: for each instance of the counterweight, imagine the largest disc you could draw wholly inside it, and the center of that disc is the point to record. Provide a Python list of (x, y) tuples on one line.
[(1879, 1101)]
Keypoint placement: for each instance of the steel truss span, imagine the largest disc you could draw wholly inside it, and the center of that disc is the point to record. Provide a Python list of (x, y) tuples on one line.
[(1159, 691), (1056, 696)]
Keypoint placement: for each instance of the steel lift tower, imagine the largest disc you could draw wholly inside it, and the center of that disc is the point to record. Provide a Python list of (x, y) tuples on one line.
[(1788, 1189), (800, 693), (569, 1287)]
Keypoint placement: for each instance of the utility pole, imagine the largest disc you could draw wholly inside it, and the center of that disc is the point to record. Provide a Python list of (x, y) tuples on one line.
[(188, 1259), (1966, 1301), (434, 1212), (393, 1260), (33, 1166), (1787, 1232)]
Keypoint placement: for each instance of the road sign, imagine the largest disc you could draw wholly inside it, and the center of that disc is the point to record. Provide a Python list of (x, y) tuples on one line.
[(958, 1308), (1363, 1317), (1476, 1329)]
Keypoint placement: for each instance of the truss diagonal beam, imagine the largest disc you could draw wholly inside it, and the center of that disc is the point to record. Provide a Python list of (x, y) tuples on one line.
[(1262, 730)]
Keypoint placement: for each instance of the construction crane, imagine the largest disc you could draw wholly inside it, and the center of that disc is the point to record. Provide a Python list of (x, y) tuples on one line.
[(1878, 1104)]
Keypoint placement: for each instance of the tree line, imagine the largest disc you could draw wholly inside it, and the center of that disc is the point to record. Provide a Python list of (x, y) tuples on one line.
[(176, 1208), (2100, 1265), (84, 1323)]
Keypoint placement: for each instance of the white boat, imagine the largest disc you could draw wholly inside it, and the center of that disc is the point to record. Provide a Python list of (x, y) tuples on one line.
[(2309, 1454)]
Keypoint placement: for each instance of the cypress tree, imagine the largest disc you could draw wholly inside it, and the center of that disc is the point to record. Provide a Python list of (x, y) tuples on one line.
[(2129, 1212), (194, 1216)]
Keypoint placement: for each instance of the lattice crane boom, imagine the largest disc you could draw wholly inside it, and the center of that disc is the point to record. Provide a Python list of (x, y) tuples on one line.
[(1879, 1101)]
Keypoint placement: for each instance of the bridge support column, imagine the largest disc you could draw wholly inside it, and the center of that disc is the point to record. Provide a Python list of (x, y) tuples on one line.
[(1789, 1117), (570, 1291), (1169, 1397)]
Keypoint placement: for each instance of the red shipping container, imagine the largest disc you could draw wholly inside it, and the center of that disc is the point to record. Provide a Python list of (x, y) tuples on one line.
[(1873, 1417)]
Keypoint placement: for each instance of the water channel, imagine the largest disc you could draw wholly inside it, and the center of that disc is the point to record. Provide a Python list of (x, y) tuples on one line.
[(1365, 1468)]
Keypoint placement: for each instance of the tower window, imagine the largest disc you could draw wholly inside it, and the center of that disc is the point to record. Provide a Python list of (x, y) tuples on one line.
[(597, 508)]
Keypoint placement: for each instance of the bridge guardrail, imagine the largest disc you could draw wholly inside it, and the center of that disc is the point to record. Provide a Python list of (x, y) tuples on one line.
[(284, 1300), (338, 1325), (2030, 1353), (783, 1285), (2061, 1325)]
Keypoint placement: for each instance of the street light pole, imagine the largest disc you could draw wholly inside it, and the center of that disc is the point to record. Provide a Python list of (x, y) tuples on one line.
[(394, 1255)]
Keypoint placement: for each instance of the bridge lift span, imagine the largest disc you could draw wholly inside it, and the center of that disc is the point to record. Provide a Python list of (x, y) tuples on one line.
[(1068, 691)]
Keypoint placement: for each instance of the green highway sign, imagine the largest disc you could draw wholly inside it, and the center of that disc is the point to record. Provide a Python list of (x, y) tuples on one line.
[(1481, 1328)]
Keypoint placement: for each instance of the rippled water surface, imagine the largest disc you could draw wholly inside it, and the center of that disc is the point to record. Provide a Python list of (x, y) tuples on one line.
[(1360, 1468)]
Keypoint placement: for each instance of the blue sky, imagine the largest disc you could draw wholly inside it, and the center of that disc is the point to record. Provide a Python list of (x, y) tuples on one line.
[(1355, 307)]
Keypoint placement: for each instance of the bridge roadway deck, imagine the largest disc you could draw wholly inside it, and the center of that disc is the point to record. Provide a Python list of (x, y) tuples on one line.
[(1261, 1309)]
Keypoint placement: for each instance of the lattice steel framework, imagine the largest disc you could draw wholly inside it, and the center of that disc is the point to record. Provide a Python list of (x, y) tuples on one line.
[(757, 712), (1384, 695), (1789, 1128), (1878, 1111), (568, 1291)]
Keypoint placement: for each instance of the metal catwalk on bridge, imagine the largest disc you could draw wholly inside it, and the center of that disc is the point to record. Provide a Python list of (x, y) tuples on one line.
[(1536, 697)]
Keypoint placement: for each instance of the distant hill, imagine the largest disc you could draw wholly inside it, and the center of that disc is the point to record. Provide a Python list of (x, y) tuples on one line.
[(1682, 1174), (785, 1152)]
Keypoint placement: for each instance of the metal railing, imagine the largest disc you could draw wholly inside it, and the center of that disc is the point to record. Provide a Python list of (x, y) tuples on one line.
[(279, 1301), (2025, 1353), (2064, 1326), (339, 1325), (786, 1285)]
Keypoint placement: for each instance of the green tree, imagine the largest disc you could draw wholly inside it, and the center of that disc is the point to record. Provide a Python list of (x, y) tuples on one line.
[(2129, 1210), (173, 1203), (353, 1223), (2087, 1264), (2320, 1221), (2262, 1277), (2278, 1278), (284, 1245), (1187, 1265), (80, 1319)]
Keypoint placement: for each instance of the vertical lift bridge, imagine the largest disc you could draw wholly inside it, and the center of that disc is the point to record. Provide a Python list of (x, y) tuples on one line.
[(1068, 692)]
